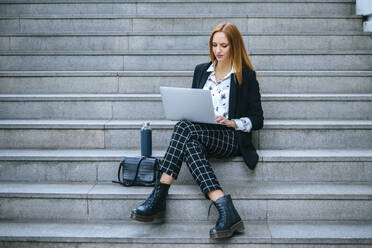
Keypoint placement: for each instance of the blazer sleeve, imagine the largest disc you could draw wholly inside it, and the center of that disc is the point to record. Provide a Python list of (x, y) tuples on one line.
[(253, 98)]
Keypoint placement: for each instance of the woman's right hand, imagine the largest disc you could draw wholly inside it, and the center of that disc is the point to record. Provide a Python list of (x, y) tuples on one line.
[(227, 122)]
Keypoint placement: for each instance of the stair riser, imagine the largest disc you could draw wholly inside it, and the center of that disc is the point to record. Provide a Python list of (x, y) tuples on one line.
[(137, 84), (174, 8), (306, 138), (179, 62), (38, 243), (105, 171), (250, 24), (184, 209), (153, 109), (176, 42), (314, 139)]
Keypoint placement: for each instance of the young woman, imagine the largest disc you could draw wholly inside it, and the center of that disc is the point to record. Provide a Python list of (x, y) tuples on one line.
[(231, 79)]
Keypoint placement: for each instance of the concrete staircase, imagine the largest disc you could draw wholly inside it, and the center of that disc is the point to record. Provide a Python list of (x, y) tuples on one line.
[(78, 78)]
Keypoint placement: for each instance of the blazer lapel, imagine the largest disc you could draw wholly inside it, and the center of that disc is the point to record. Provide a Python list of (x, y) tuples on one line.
[(233, 97), (204, 78)]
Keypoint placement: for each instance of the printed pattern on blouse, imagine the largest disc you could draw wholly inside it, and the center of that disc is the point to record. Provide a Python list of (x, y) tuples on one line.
[(220, 92), (220, 95)]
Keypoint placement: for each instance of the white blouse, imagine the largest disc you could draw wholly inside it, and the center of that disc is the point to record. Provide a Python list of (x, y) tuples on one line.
[(220, 95)]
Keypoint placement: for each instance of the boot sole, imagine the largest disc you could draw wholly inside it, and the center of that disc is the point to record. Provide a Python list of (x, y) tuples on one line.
[(144, 218), (237, 227)]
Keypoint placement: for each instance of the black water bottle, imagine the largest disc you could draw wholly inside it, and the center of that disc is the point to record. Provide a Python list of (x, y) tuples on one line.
[(146, 139)]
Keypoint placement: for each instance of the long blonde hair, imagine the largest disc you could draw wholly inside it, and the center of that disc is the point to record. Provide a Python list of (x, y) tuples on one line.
[(238, 52)]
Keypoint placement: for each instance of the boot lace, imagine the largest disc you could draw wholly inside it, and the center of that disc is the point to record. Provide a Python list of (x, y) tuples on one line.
[(151, 199), (209, 210), (221, 211)]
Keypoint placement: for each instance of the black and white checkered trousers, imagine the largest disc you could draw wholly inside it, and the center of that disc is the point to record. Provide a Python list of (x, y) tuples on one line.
[(193, 142)]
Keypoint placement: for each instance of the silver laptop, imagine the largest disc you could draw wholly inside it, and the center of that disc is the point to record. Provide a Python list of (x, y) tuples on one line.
[(188, 104)]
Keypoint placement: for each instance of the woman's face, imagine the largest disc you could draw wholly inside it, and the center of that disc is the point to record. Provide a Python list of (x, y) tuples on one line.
[(221, 47)]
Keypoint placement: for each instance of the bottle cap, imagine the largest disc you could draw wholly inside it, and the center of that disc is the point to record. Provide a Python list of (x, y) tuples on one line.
[(146, 124)]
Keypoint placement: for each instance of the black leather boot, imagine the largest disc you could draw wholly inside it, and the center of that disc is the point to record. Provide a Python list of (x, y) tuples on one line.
[(228, 221), (154, 206)]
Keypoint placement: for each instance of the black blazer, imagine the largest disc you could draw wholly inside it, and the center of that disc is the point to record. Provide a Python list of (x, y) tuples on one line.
[(245, 101)]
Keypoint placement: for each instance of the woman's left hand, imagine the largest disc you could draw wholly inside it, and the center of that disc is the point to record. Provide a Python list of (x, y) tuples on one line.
[(227, 122)]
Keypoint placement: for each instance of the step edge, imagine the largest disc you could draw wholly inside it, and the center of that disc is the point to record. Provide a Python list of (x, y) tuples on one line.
[(310, 155), (177, 73), (157, 97)]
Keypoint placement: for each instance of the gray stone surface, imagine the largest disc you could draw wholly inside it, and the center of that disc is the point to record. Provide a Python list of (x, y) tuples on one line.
[(288, 60), (323, 155), (314, 83), (319, 210), (49, 139), (323, 230), (56, 84), (101, 165), (56, 110), (151, 84), (62, 8), (55, 171), (117, 138), (312, 107), (308, 138), (273, 82), (116, 244), (163, 41), (277, 134), (258, 201), (32, 208), (246, 8), (77, 24), (4, 42), (180, 7), (133, 106), (125, 232), (308, 42), (312, 62), (8, 25), (54, 62), (302, 24), (252, 24), (112, 23), (257, 234), (52, 42)]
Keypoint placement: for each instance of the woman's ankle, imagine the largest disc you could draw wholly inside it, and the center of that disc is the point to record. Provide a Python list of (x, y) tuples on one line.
[(214, 195), (166, 179)]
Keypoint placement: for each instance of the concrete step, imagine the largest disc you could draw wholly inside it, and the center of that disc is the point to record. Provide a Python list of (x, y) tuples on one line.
[(325, 234), (191, 40), (293, 7), (147, 60), (178, 23), (138, 106), (100, 165), (134, 82), (255, 201), (115, 134)]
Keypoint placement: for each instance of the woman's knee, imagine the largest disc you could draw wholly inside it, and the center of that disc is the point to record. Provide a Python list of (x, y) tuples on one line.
[(183, 124), (192, 144), (184, 127)]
